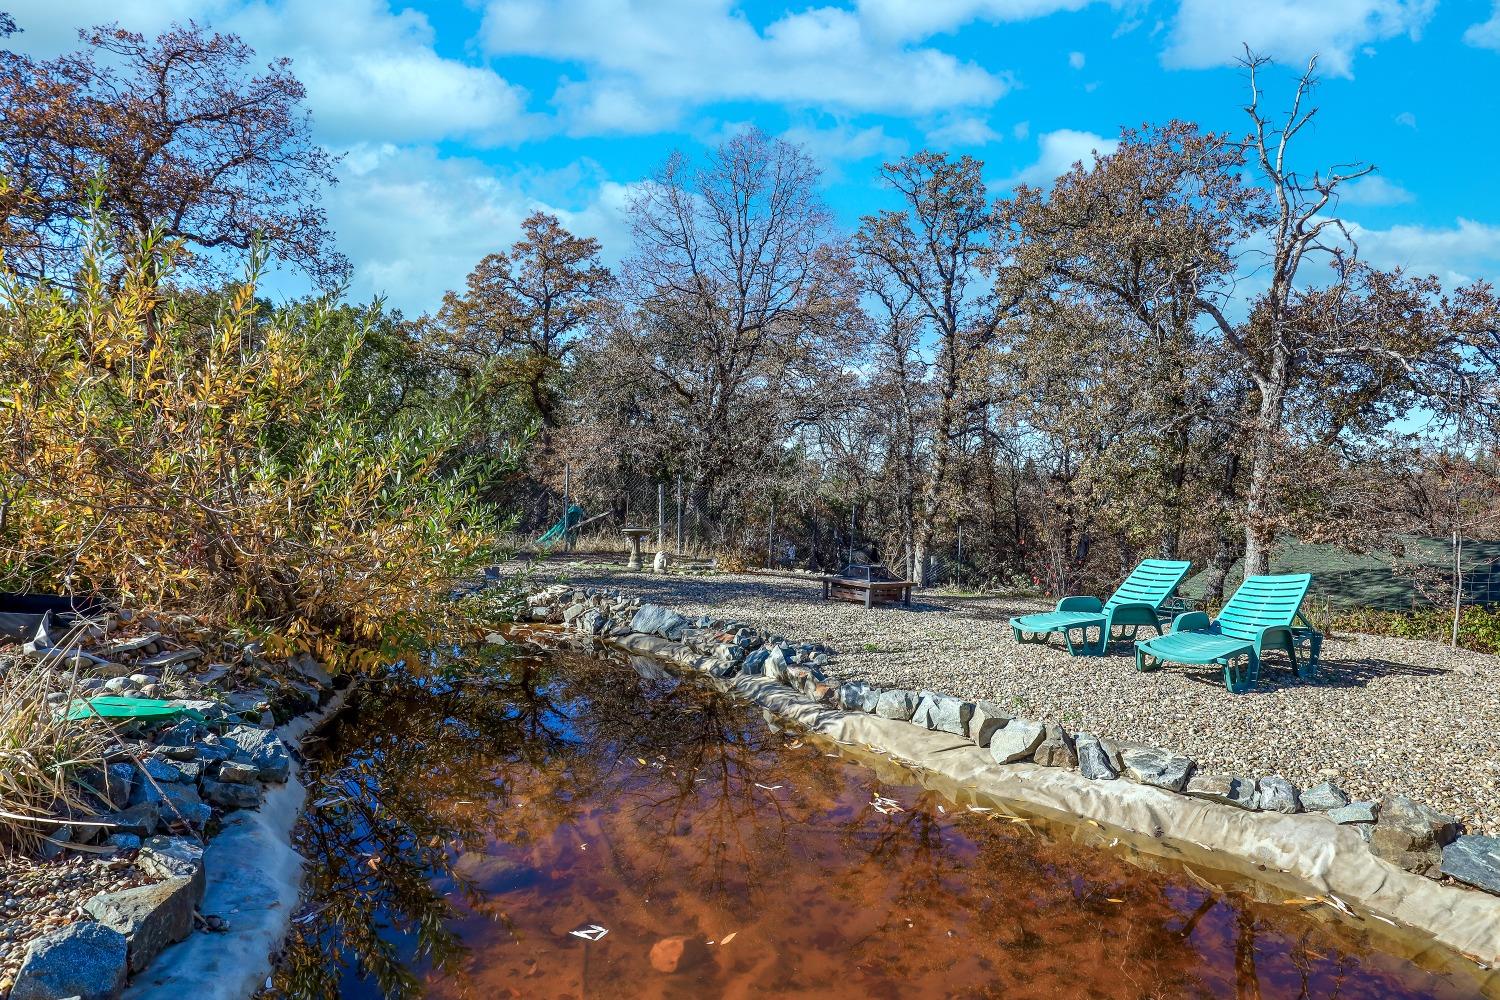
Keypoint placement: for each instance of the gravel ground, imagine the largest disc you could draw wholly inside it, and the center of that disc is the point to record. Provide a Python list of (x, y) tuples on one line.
[(40, 896), (1384, 715)]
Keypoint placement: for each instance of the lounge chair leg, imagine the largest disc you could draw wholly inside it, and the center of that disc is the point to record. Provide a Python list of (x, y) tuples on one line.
[(1291, 655)]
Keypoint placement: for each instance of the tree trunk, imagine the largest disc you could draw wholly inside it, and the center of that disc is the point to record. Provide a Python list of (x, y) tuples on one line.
[(1260, 525)]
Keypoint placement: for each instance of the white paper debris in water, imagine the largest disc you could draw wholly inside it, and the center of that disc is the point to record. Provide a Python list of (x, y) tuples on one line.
[(728, 937), (942, 810), (979, 809), (886, 806), (769, 788), (592, 932)]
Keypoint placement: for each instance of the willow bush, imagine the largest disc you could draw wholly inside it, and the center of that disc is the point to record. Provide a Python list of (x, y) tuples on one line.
[(215, 460)]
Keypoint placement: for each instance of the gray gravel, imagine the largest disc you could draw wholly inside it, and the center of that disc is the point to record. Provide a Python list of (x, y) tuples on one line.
[(1385, 715)]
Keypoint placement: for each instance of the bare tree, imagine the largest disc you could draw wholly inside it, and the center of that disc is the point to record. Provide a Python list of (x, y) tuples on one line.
[(938, 251), (738, 295)]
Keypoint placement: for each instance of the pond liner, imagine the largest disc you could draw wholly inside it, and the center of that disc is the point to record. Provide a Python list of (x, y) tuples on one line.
[(254, 882), (1301, 854)]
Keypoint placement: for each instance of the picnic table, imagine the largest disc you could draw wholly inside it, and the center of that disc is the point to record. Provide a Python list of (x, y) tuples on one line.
[(867, 585)]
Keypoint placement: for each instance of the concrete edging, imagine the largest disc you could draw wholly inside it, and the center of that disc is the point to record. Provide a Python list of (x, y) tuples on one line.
[(254, 882)]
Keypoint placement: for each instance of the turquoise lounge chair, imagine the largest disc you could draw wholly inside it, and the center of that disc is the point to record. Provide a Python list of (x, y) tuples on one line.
[(1134, 604), (1263, 614)]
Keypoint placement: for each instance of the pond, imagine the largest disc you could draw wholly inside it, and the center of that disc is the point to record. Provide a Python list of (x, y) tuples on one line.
[(461, 832)]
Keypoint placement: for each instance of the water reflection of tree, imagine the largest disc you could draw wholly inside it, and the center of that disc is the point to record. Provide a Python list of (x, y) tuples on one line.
[(687, 799), (416, 775)]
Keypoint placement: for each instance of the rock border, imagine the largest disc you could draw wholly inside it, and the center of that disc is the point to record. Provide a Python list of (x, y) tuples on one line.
[(1382, 857), (253, 884)]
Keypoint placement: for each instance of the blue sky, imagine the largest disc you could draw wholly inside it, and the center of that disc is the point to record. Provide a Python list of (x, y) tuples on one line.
[(458, 119)]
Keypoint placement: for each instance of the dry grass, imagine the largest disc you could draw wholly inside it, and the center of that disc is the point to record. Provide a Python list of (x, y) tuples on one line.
[(42, 756)]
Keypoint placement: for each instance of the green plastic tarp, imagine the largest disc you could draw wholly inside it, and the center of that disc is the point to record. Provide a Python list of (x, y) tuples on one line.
[(119, 707)]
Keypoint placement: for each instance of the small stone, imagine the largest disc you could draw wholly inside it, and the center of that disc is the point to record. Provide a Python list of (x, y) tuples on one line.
[(896, 704), (1228, 789), (229, 794), (124, 841), (1097, 758), (174, 857), (171, 657), (1474, 861), (84, 960), (236, 773), (652, 619), (673, 954), (1325, 797), (1017, 741), (1366, 811), (150, 916), (159, 770), (262, 748), (1159, 768), (1278, 795), (987, 719), (1057, 750)]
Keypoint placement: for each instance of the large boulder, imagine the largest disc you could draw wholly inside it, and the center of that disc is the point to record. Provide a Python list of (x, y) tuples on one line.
[(1017, 741), (985, 721), (1097, 757), (943, 713), (1278, 795), (1325, 797), (262, 748), (1474, 861), (150, 916), (1160, 768), (84, 960), (1412, 836), (896, 704), (1057, 750), (653, 619), (1227, 789)]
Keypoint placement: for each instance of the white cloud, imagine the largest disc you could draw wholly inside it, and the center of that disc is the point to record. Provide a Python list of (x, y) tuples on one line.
[(648, 60), (1373, 189), (372, 75), (1076, 60), (1211, 33), (375, 75), (1059, 151), (1485, 34), (1407, 118), (49, 28), (1021, 130), (962, 131), (844, 144), (908, 19), (1467, 251), (416, 223)]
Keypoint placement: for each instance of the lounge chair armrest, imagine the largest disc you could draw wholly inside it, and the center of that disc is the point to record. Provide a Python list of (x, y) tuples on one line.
[(1192, 621), (1270, 633), (1080, 604)]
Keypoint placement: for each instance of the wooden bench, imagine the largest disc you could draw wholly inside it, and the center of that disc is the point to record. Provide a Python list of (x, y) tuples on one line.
[(866, 585)]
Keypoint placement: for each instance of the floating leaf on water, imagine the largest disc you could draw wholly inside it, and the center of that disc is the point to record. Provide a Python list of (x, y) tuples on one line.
[(728, 937), (1113, 899), (980, 809)]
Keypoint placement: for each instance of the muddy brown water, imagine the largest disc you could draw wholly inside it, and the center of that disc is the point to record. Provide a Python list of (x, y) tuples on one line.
[(462, 831)]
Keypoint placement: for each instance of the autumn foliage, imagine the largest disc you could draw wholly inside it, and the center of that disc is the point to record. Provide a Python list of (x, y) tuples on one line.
[(219, 467)]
